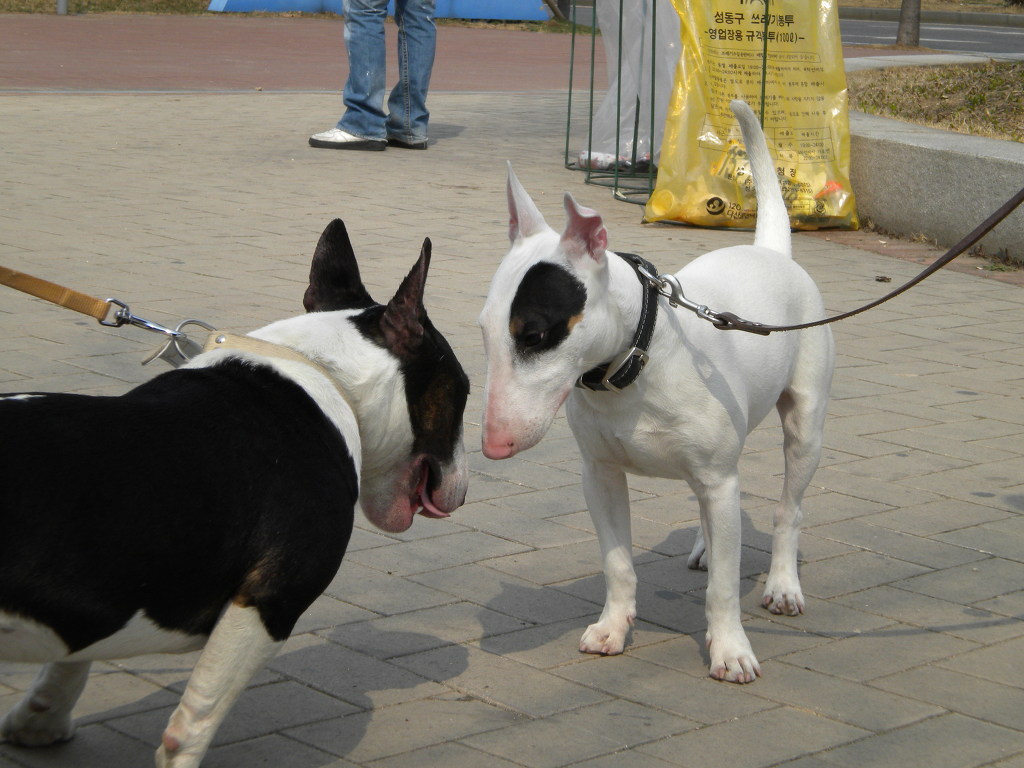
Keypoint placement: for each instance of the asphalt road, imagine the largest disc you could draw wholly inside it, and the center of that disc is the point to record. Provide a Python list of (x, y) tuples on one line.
[(959, 38), (942, 37)]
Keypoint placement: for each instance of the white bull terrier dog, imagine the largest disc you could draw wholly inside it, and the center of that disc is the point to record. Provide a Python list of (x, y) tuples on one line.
[(561, 307)]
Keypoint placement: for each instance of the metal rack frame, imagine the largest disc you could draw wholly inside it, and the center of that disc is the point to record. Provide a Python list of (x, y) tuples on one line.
[(635, 183)]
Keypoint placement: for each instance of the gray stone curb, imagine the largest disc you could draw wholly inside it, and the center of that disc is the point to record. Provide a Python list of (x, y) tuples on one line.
[(912, 180)]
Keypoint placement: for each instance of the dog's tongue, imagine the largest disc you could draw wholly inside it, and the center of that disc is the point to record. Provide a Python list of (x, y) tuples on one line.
[(429, 510)]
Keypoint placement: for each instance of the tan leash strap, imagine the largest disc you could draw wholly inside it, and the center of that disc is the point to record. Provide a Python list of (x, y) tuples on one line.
[(176, 349), (57, 294)]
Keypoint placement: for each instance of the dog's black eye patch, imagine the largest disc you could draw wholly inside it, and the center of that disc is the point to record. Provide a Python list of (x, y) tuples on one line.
[(548, 303)]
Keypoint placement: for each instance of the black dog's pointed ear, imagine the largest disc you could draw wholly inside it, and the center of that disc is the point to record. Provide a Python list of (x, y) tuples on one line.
[(334, 281), (402, 321)]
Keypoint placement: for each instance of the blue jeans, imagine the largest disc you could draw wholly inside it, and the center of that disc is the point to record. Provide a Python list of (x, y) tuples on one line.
[(407, 114)]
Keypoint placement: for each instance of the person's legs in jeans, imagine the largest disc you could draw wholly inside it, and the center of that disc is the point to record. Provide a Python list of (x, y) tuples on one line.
[(407, 105), (366, 84)]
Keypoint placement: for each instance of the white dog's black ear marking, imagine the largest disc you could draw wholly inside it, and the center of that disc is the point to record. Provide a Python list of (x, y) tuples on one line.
[(585, 233), (524, 218), (334, 281), (547, 304), (402, 321)]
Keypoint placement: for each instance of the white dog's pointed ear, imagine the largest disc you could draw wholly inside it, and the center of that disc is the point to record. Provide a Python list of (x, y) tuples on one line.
[(585, 233), (524, 219)]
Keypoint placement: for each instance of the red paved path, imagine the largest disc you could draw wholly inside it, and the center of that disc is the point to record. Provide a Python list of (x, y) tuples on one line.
[(232, 52)]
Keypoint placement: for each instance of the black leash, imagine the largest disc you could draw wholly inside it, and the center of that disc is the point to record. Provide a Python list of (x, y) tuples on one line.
[(619, 373), (727, 321)]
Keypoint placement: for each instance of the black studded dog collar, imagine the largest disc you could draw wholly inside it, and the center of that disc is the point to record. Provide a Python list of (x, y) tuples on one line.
[(623, 370)]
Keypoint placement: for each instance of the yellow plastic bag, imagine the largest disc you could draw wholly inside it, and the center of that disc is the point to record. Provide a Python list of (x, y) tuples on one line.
[(703, 174)]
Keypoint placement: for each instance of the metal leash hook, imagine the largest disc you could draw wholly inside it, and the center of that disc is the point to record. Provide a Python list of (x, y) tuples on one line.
[(673, 291), (669, 287), (177, 349), (123, 316)]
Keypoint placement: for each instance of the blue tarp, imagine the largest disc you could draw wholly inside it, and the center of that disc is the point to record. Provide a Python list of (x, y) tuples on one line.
[(504, 10)]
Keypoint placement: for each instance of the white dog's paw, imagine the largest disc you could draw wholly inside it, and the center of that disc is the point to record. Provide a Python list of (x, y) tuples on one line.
[(33, 723), (607, 637), (783, 596), (733, 662), (174, 754), (165, 759)]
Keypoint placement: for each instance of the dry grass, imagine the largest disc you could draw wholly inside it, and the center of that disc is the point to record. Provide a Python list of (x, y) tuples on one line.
[(979, 99), (984, 100)]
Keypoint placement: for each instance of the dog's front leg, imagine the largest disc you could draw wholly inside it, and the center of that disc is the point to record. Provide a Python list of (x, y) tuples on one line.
[(44, 715), (732, 658), (607, 497), (237, 648)]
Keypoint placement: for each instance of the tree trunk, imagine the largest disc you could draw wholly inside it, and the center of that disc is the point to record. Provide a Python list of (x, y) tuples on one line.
[(909, 31)]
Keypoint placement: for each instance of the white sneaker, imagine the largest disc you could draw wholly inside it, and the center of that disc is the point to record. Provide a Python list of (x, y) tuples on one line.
[(339, 139)]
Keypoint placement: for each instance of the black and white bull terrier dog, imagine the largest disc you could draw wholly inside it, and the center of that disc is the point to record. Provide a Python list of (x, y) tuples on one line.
[(561, 305), (281, 432)]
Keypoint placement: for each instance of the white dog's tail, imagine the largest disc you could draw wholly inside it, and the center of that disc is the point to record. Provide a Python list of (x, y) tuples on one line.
[(772, 229)]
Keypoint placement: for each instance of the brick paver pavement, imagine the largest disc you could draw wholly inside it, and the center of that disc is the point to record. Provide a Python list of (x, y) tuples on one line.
[(455, 644)]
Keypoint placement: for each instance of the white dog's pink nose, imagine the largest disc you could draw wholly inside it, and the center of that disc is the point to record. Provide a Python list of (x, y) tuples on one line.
[(499, 447)]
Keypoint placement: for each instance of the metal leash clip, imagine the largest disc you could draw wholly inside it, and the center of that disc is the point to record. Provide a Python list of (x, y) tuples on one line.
[(124, 316), (177, 349), (670, 288)]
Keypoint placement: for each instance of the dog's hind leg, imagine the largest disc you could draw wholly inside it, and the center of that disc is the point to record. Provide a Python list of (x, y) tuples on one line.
[(238, 647), (698, 561), (803, 418), (732, 658), (607, 497), (44, 715)]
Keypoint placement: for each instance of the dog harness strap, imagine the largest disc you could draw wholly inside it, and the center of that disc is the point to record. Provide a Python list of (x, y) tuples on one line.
[(234, 343), (617, 374)]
